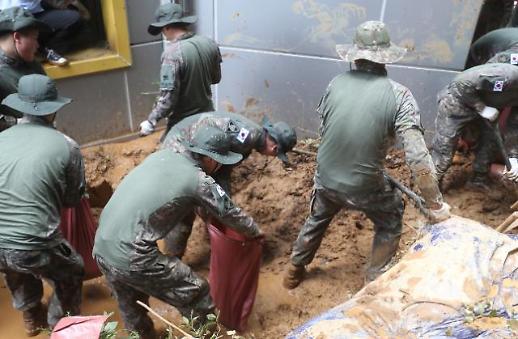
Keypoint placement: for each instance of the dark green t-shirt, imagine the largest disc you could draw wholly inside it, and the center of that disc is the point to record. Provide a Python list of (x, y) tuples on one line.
[(153, 199), (32, 186), (358, 113)]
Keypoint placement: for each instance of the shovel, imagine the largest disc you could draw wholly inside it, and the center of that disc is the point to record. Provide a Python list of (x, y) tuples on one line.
[(416, 198)]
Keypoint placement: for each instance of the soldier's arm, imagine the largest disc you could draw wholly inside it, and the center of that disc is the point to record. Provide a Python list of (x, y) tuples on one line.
[(217, 202), (169, 87), (408, 128), (74, 176)]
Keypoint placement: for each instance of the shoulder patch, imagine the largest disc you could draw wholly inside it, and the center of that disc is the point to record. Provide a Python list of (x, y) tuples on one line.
[(220, 190), (498, 86), (513, 60), (243, 134), (167, 77)]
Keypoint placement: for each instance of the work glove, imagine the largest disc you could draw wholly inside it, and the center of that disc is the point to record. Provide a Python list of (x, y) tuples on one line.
[(489, 113), (512, 174), (146, 128), (440, 214)]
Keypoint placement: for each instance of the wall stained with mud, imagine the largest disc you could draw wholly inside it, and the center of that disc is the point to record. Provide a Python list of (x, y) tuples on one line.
[(278, 56)]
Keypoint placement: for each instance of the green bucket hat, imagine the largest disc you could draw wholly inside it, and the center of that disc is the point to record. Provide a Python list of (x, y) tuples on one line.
[(169, 14), (37, 95), (14, 19), (214, 143), (284, 136), (371, 42)]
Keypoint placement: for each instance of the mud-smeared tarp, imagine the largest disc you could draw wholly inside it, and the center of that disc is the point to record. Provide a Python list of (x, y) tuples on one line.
[(459, 280)]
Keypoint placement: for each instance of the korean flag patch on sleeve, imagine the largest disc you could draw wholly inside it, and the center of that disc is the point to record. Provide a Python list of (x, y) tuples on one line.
[(220, 190), (514, 59), (243, 134), (498, 86)]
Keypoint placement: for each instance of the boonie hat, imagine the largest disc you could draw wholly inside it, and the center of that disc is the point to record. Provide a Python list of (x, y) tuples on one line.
[(214, 143), (371, 42), (168, 14), (14, 19), (37, 95), (284, 136)]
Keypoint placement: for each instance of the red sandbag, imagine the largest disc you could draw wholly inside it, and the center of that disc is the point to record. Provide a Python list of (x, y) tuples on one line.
[(78, 327), (78, 227), (234, 274)]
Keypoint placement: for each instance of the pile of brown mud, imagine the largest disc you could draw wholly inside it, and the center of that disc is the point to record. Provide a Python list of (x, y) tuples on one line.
[(278, 199)]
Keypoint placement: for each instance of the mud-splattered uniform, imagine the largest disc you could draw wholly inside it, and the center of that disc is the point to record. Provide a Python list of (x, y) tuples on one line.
[(190, 65), (460, 103), (146, 206), (246, 136), (38, 177), (361, 112)]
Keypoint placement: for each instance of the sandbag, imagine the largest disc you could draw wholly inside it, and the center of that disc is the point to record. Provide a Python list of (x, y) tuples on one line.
[(79, 327), (233, 275), (78, 227), (459, 280)]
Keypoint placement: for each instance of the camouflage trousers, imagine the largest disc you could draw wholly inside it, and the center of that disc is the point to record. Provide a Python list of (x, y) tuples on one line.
[(383, 207), (452, 118), (169, 280), (176, 241), (61, 266)]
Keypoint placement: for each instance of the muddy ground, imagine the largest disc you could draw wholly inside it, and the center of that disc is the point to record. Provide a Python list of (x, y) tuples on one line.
[(278, 198)]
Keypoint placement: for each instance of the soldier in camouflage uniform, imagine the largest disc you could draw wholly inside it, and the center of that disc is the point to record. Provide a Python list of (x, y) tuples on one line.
[(245, 135), (190, 65), (498, 46), (19, 32), (361, 111), (476, 94), (38, 177), (150, 202)]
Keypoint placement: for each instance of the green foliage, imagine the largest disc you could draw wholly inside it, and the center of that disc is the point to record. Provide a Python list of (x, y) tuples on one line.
[(110, 331), (207, 329)]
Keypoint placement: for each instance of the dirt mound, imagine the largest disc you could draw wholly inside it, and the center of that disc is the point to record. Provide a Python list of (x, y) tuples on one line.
[(278, 199)]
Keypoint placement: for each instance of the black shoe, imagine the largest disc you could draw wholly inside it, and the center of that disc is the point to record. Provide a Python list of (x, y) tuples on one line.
[(54, 58)]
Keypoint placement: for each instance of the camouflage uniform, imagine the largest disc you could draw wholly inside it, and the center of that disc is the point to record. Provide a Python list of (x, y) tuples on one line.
[(39, 176), (60, 265), (190, 65), (246, 136), (460, 104), (498, 46), (130, 225), (360, 185)]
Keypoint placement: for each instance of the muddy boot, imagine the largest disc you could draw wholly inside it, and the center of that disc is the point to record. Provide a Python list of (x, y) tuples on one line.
[(34, 320), (382, 251), (293, 276)]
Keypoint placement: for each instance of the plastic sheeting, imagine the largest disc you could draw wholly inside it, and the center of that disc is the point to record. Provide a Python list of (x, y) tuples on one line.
[(459, 280), (234, 275), (78, 327), (78, 227)]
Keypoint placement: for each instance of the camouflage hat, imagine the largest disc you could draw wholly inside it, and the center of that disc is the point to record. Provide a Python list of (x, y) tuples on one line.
[(37, 95), (371, 42), (14, 19), (214, 143), (168, 14), (284, 136)]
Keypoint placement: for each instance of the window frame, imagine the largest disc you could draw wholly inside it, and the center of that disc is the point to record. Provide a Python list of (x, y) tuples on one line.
[(115, 20)]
